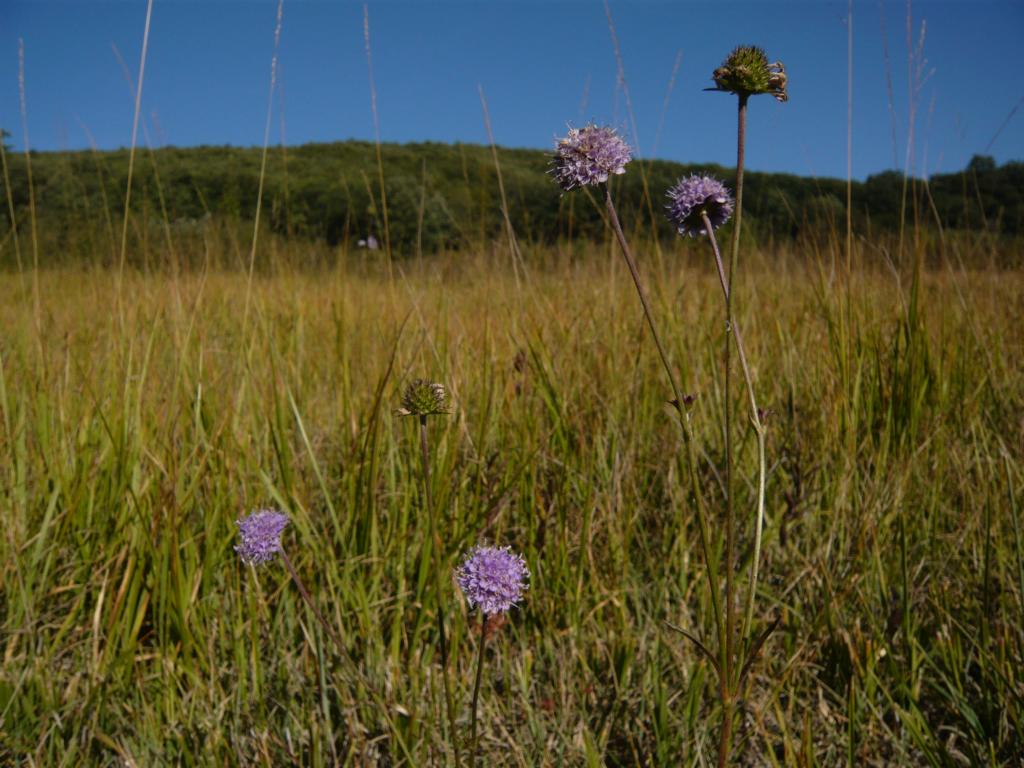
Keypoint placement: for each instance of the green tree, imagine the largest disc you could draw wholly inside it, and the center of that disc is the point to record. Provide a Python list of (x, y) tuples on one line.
[(982, 164)]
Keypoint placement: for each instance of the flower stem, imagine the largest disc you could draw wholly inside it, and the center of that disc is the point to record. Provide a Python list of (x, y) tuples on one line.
[(641, 291), (741, 140), (755, 418), (710, 561), (729, 650), (336, 638), (476, 688), (755, 415), (439, 588)]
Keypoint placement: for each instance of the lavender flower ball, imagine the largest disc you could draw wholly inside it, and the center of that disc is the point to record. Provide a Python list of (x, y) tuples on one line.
[(261, 535), (588, 156), (693, 196), (493, 578)]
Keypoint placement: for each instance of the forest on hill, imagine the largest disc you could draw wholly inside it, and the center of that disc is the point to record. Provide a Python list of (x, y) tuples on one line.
[(442, 196)]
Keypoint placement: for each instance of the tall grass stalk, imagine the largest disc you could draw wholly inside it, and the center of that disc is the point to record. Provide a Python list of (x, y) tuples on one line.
[(376, 139), (31, 188), (9, 193), (513, 243), (131, 161), (263, 162)]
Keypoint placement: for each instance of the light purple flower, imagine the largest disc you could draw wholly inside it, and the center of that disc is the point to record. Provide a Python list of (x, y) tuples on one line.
[(493, 578), (696, 195), (589, 155), (261, 535)]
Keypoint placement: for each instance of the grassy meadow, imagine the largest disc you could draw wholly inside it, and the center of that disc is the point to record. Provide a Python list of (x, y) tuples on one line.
[(143, 415)]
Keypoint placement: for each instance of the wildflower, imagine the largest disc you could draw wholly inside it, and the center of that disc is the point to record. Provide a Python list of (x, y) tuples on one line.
[(588, 156), (424, 398), (747, 72), (493, 578), (695, 196), (261, 535)]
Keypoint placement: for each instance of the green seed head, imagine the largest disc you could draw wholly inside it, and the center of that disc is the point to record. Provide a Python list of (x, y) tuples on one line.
[(424, 398), (747, 72)]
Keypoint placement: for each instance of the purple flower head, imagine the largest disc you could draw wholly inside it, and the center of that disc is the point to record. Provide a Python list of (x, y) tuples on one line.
[(696, 195), (493, 578), (589, 155), (261, 535)]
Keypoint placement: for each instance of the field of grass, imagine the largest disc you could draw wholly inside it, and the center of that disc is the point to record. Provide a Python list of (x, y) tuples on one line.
[(139, 423)]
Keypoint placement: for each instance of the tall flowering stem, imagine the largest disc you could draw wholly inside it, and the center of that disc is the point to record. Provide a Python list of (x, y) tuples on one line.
[(759, 429), (729, 659), (710, 561), (746, 72), (475, 744), (435, 537), (587, 157), (422, 399), (493, 579), (307, 598), (260, 543)]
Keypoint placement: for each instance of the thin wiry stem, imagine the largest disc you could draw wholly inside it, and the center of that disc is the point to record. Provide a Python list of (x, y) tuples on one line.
[(476, 689), (376, 136), (710, 562), (729, 649), (263, 165), (435, 539), (755, 418), (343, 652), (335, 637), (10, 207), (131, 161)]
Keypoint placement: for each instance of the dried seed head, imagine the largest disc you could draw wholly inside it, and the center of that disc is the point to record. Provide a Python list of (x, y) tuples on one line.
[(424, 398), (747, 72)]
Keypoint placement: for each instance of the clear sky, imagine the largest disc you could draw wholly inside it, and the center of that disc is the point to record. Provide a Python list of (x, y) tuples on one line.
[(541, 65)]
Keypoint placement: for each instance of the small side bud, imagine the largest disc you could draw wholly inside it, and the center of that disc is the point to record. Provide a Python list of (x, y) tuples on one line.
[(688, 400)]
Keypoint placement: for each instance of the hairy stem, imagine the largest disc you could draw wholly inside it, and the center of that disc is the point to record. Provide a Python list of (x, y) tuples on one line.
[(710, 561), (476, 688), (439, 588), (729, 650), (336, 639), (755, 418)]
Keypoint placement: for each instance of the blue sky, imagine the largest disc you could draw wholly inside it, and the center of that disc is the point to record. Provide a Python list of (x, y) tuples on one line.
[(541, 64)]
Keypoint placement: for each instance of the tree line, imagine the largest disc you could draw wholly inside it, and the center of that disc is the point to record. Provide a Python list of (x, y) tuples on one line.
[(441, 196)]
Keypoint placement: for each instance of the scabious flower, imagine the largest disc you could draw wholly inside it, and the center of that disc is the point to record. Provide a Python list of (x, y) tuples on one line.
[(696, 195), (424, 398), (261, 535), (493, 578), (588, 156), (748, 72)]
